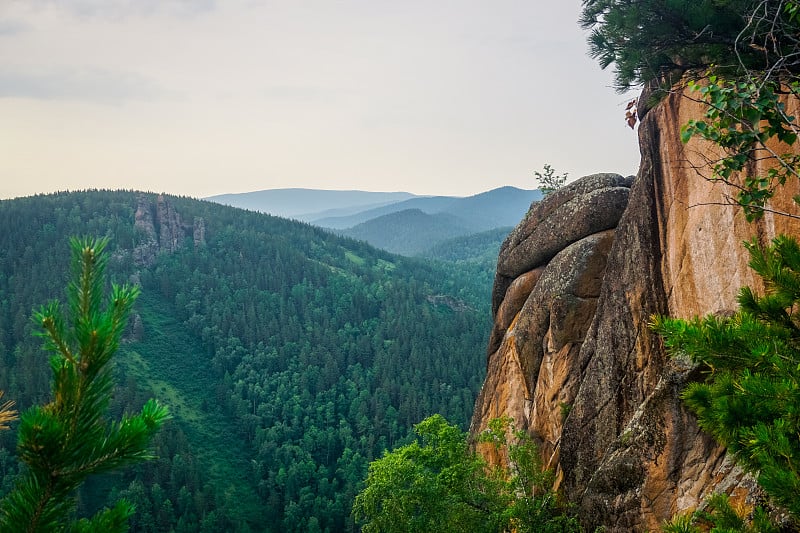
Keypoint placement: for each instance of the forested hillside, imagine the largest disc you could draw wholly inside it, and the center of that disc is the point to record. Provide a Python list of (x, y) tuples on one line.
[(289, 357), (479, 248), (407, 232), (414, 226)]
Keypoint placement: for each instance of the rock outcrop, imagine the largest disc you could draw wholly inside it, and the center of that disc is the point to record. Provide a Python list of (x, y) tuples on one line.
[(161, 230), (550, 272), (571, 358)]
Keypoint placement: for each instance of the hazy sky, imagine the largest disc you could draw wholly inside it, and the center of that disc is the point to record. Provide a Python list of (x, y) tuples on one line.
[(203, 97)]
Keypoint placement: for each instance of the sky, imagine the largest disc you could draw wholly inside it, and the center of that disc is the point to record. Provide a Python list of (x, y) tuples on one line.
[(206, 97)]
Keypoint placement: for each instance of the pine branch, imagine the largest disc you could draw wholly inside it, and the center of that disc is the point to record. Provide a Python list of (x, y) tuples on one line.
[(68, 439)]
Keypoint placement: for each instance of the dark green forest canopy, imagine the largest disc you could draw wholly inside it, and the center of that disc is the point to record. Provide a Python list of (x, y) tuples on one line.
[(649, 40), (289, 357)]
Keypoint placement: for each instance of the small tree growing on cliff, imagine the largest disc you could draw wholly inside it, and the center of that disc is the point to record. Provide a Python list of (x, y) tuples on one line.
[(548, 180), (745, 105), (68, 439), (750, 397), (742, 117)]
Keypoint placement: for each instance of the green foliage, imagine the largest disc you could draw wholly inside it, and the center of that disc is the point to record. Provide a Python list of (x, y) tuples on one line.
[(438, 483), (533, 506), (434, 483), (649, 40), (750, 398), (475, 257), (548, 180), (741, 117), (68, 439), (719, 516), (749, 51), (481, 248), (290, 357)]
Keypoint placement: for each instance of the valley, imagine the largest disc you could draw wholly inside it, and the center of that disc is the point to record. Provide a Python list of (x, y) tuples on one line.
[(288, 356)]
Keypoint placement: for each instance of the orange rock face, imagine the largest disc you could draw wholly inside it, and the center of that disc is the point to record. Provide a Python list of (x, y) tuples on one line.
[(571, 358), (705, 263)]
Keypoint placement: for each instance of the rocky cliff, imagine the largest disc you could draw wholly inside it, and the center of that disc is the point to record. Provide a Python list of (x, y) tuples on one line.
[(570, 357), (161, 229)]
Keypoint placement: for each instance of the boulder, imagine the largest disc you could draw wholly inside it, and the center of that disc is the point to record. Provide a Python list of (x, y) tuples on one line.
[(589, 205), (515, 296)]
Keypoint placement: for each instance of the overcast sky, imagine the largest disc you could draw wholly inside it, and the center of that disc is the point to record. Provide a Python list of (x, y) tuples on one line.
[(203, 97)]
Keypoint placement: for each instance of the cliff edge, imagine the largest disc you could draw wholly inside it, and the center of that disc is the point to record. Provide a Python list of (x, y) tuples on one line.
[(571, 358)]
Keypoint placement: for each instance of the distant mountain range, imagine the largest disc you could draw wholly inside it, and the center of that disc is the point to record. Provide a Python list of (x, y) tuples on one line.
[(399, 222), (407, 232), (307, 204)]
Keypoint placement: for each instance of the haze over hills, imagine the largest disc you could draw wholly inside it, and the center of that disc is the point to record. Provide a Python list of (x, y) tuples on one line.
[(425, 220), (408, 232), (300, 204), (500, 207), (425, 204), (415, 230)]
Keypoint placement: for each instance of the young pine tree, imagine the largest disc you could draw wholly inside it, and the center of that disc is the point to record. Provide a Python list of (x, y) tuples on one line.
[(750, 399), (68, 439)]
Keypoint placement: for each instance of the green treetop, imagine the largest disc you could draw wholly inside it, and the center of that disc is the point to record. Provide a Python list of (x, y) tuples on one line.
[(439, 483), (648, 40), (748, 54), (68, 439)]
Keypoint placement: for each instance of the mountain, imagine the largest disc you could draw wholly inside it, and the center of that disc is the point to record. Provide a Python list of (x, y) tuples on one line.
[(502, 207), (407, 232), (372, 216), (289, 357), (413, 226), (428, 205), (304, 203)]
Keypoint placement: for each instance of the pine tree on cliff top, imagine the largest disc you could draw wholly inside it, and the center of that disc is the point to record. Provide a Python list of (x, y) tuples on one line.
[(647, 40), (70, 438), (750, 398)]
